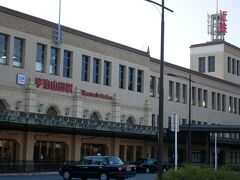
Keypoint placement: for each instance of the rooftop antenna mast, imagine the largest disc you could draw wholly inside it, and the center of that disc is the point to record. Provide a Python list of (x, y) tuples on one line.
[(217, 7), (57, 32)]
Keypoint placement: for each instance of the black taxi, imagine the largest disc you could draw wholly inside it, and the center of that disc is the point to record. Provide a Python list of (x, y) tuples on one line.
[(98, 167)]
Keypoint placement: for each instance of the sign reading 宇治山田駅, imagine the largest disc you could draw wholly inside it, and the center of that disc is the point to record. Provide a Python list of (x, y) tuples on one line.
[(53, 85)]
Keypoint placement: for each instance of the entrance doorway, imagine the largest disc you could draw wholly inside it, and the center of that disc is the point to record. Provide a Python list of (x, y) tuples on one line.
[(88, 149), (50, 151)]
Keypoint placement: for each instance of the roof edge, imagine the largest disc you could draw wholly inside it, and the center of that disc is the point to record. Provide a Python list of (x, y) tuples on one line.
[(71, 30)]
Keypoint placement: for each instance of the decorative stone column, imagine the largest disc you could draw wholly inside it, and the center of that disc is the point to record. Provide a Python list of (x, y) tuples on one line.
[(28, 150), (76, 148), (147, 113), (77, 103), (30, 96), (115, 144), (116, 109)]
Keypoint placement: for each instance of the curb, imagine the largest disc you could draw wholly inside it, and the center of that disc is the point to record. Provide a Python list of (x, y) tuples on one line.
[(29, 174)]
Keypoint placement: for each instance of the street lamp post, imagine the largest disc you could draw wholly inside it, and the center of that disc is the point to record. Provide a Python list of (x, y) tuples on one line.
[(189, 148), (161, 90)]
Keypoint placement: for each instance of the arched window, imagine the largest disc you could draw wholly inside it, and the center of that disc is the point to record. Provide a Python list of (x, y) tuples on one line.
[(130, 120), (2, 107), (94, 116), (52, 111)]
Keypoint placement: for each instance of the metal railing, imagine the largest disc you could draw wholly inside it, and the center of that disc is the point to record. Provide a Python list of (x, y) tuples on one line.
[(72, 122)]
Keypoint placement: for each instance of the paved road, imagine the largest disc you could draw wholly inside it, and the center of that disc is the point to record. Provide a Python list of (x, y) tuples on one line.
[(57, 177)]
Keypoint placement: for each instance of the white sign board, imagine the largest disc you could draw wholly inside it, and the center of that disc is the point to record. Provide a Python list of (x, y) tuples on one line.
[(21, 79)]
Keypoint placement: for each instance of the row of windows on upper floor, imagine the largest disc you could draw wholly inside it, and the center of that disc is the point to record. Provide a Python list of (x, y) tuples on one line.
[(233, 66), (202, 64), (128, 76), (178, 93)]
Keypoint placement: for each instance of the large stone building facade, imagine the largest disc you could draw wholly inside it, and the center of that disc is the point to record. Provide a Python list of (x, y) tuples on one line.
[(89, 95)]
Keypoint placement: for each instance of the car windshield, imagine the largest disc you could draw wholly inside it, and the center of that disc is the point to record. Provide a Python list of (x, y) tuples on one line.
[(114, 161)]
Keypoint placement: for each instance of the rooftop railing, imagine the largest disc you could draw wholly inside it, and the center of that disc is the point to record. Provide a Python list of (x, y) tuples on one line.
[(72, 122)]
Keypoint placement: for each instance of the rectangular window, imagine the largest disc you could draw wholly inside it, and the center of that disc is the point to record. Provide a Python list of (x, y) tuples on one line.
[(121, 151), (122, 76), (211, 63), (139, 152), (153, 120), (233, 66), (230, 106), (229, 64), (201, 65), (85, 67), (40, 56), (223, 102), (238, 68), (199, 97), (140, 80), (235, 105), (152, 86), (131, 72), (193, 96), (67, 64), (54, 61), (96, 70), (238, 106), (171, 91), (184, 93), (184, 121), (3, 48), (178, 92), (205, 98), (158, 87), (18, 52), (107, 73), (213, 100), (218, 102)]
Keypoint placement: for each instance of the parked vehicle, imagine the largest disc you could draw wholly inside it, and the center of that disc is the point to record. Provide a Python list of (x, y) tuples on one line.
[(102, 167), (146, 165)]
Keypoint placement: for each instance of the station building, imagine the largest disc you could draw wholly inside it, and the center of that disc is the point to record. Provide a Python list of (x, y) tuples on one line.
[(85, 95)]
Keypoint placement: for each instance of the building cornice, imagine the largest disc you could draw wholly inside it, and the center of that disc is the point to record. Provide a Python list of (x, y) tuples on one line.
[(71, 31), (211, 43)]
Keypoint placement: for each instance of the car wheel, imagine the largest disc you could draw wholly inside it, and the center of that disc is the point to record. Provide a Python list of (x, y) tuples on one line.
[(147, 170), (103, 176), (67, 175)]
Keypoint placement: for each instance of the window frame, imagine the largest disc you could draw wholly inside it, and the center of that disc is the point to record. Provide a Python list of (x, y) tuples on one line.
[(211, 64), (107, 73), (140, 76), (122, 76), (67, 64), (54, 60), (18, 52), (40, 57), (96, 71), (85, 68), (202, 64), (5, 49)]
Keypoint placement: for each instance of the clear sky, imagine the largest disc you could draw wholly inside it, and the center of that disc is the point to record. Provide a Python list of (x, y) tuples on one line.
[(137, 23)]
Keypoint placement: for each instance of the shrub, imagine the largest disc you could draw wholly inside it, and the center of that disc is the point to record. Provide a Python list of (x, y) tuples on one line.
[(231, 167), (197, 172)]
